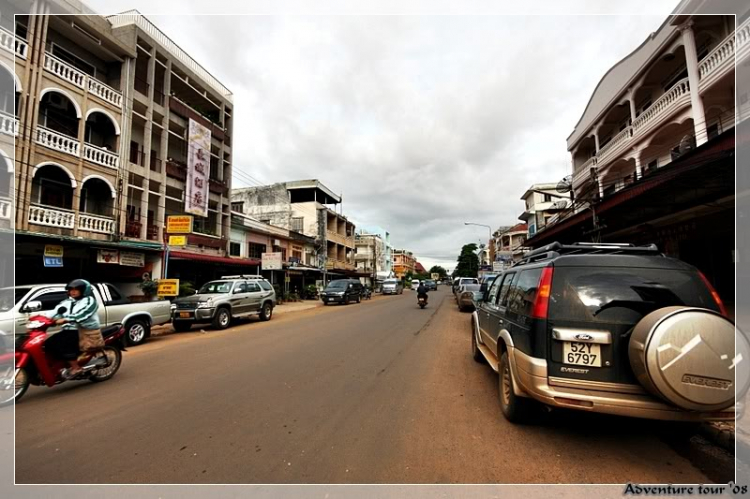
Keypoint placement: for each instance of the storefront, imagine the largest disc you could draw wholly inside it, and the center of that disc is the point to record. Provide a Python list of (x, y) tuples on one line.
[(198, 268), (53, 259)]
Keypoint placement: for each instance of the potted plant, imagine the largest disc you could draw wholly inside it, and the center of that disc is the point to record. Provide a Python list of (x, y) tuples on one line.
[(187, 289), (149, 288)]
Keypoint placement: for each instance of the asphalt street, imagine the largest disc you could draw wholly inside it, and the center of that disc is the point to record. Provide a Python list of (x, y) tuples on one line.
[(377, 392)]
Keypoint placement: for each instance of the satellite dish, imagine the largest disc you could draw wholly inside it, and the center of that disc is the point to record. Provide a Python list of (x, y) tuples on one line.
[(565, 185)]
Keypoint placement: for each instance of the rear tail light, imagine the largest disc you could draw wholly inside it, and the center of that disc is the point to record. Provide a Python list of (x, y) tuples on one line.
[(714, 294), (541, 302)]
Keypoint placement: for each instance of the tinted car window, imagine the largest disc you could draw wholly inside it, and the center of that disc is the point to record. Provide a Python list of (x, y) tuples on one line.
[(337, 285), (252, 287), (502, 299), (216, 287), (623, 295), (240, 287), (50, 299), (522, 298), (265, 285), (114, 293), (494, 290)]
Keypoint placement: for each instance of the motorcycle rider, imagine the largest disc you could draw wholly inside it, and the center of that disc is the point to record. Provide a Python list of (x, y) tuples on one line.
[(78, 313), (422, 291)]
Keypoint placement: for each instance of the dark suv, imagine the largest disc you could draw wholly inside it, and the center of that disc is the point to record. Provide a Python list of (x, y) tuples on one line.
[(342, 291), (610, 328)]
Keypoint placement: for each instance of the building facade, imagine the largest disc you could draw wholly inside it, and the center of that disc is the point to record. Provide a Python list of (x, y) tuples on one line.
[(653, 152), (87, 89), (305, 207), (385, 268), (510, 244), (542, 203), (403, 263)]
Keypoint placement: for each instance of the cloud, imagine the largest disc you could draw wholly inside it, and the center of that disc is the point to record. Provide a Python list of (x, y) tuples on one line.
[(421, 122)]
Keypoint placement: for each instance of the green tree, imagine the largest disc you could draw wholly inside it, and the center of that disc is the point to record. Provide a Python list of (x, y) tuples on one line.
[(437, 269), (468, 262)]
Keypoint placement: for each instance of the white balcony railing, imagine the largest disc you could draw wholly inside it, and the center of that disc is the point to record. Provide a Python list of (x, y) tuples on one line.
[(64, 70), (742, 44), (710, 64), (57, 141), (52, 217), (8, 124), (674, 97), (105, 92), (96, 223), (12, 43), (100, 156), (6, 208), (613, 144), (583, 172)]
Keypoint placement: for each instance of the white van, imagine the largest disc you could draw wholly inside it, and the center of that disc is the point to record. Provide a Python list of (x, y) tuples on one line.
[(415, 284)]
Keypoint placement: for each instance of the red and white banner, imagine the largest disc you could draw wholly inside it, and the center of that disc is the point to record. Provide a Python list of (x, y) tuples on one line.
[(198, 169)]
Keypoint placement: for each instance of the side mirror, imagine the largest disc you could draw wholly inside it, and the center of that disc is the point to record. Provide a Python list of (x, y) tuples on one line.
[(33, 306)]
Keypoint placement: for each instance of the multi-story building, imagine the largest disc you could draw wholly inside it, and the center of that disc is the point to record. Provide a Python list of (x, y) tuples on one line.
[(404, 263), (92, 95), (654, 150), (370, 256), (303, 206), (385, 266), (510, 243), (542, 203)]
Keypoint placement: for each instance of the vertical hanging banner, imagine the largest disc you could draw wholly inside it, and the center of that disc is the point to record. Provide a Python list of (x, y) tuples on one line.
[(198, 169)]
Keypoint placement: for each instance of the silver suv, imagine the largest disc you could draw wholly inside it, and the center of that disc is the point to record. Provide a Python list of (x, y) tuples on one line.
[(218, 302)]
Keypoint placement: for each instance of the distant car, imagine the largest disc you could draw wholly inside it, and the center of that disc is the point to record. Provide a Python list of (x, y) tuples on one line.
[(392, 287), (218, 302), (415, 284), (463, 280), (430, 284), (467, 295), (342, 291)]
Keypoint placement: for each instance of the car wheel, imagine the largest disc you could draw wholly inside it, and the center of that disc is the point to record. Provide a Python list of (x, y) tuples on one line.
[(136, 332), (182, 326), (222, 318), (266, 312), (346, 300), (515, 409), (476, 353)]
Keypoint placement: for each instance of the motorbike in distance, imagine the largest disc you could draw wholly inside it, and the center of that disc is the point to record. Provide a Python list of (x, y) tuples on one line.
[(37, 365), (422, 301)]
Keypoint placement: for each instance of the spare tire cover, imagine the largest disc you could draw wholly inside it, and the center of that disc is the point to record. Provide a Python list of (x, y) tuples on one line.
[(686, 356)]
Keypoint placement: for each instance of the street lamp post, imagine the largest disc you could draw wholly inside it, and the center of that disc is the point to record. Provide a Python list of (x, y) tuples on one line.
[(490, 242)]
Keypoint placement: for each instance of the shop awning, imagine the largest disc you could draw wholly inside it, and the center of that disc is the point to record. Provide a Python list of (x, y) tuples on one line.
[(136, 245), (200, 257)]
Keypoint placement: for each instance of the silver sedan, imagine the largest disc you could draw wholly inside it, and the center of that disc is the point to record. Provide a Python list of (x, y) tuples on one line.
[(467, 295)]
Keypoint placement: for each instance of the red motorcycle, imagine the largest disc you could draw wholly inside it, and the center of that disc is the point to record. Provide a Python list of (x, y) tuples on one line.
[(37, 364)]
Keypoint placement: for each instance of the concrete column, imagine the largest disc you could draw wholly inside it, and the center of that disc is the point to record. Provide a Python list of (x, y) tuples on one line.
[(696, 102), (159, 216), (638, 170), (596, 138), (631, 100)]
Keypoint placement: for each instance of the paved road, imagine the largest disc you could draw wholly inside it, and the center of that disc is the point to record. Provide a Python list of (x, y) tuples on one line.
[(380, 392)]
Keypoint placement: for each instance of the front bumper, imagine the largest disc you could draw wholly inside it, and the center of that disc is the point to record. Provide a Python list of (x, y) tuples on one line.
[(195, 315), (390, 291), (532, 380), (332, 299)]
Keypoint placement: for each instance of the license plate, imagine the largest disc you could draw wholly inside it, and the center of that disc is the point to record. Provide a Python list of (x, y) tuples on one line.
[(186, 315), (582, 354)]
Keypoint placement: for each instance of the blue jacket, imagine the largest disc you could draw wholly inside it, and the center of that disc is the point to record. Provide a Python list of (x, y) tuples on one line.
[(81, 312)]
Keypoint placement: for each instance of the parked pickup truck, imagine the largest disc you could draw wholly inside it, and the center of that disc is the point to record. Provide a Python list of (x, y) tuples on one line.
[(18, 303)]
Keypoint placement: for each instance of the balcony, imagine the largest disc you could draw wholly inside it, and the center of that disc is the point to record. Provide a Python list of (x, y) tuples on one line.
[(57, 141), (332, 264), (6, 208), (583, 173), (176, 170), (217, 186), (81, 80), (96, 223), (133, 229), (337, 238), (743, 40), (614, 145), (51, 217), (12, 43), (105, 92), (101, 156), (8, 124), (677, 96), (207, 240)]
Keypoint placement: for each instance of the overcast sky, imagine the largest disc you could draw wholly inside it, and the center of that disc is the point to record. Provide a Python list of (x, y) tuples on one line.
[(421, 122)]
